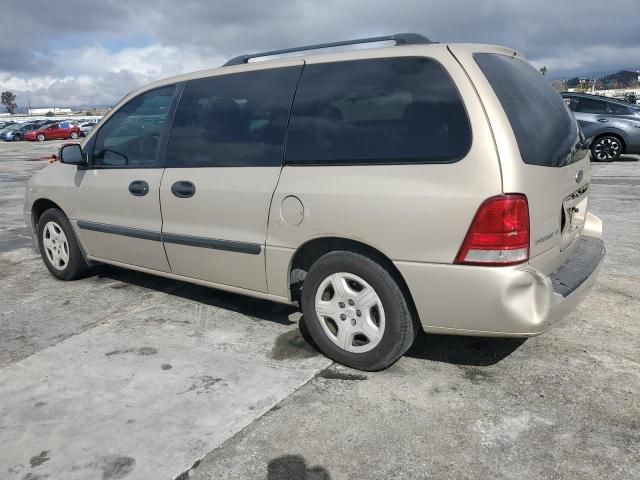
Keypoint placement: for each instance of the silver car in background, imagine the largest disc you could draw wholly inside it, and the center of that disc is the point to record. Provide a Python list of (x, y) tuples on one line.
[(613, 125)]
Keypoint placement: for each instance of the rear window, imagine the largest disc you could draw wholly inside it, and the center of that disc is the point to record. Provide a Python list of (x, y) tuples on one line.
[(543, 126), (617, 109), (391, 110)]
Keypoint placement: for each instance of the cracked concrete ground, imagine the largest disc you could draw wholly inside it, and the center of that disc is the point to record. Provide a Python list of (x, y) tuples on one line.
[(124, 375)]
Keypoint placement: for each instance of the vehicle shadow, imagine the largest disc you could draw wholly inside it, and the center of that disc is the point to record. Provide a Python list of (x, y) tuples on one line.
[(458, 350), (252, 307), (622, 158), (294, 467)]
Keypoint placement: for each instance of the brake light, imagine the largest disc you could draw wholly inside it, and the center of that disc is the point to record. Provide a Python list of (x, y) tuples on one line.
[(499, 233)]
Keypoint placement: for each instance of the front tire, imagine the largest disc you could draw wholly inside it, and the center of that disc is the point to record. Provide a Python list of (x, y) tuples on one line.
[(59, 247), (17, 137), (74, 135), (356, 312), (607, 148)]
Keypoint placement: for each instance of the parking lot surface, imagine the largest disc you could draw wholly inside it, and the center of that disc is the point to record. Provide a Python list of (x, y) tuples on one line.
[(125, 375)]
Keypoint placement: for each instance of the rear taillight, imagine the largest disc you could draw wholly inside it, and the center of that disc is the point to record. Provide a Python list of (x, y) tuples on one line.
[(499, 233)]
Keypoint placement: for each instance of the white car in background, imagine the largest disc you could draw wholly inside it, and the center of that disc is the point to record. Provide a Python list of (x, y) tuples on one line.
[(86, 127)]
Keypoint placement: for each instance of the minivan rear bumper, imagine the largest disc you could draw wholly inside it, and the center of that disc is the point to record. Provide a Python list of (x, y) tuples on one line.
[(501, 301)]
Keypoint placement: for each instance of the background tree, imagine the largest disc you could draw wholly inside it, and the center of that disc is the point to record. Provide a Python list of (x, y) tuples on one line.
[(544, 70), (9, 102)]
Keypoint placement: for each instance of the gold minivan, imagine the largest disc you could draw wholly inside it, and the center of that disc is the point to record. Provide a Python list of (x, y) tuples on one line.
[(385, 190)]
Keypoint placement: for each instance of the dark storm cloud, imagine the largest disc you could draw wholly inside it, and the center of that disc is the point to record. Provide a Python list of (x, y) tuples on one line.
[(539, 28), (568, 36)]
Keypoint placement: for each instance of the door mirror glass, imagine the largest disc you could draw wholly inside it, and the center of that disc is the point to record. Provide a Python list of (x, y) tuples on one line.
[(71, 154)]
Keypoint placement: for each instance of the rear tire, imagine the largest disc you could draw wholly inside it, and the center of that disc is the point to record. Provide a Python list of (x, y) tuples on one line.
[(356, 312), (607, 148), (40, 137), (59, 247), (17, 137)]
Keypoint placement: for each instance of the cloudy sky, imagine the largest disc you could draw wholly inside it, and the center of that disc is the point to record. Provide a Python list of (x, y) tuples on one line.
[(93, 52)]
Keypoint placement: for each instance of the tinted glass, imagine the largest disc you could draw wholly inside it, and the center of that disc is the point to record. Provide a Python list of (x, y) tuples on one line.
[(377, 111), (588, 105), (130, 138), (233, 120), (543, 126), (570, 102), (617, 109)]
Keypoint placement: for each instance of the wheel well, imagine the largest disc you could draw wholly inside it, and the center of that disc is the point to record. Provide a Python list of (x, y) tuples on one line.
[(39, 207), (608, 134), (310, 252)]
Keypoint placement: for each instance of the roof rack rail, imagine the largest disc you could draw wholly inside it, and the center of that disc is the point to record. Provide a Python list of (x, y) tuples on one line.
[(398, 38)]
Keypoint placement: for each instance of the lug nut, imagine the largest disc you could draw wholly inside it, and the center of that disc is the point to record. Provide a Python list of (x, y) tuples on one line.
[(343, 317), (341, 304), (351, 302), (353, 322), (358, 313)]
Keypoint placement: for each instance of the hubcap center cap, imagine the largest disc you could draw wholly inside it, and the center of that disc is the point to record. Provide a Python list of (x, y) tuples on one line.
[(351, 312)]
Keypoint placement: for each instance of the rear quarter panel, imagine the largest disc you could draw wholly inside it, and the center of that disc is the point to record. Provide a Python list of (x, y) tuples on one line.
[(545, 187), (417, 213)]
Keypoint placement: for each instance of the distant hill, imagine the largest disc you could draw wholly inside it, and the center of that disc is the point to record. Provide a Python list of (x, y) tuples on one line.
[(621, 79)]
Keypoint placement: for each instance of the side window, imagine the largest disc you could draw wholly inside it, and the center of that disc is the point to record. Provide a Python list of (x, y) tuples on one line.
[(588, 105), (572, 102), (619, 109), (130, 138), (388, 110), (233, 120)]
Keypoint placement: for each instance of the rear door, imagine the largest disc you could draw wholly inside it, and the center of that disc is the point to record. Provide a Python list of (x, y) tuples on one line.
[(116, 199), (592, 115), (539, 145), (51, 132), (59, 131), (224, 159)]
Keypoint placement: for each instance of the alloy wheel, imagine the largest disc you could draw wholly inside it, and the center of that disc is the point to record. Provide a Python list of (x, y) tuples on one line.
[(606, 149)]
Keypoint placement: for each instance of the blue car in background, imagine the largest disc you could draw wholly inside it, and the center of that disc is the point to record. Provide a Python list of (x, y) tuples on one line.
[(16, 131)]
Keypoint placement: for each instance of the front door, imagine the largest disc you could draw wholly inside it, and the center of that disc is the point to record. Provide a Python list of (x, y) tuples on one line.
[(116, 199), (223, 162)]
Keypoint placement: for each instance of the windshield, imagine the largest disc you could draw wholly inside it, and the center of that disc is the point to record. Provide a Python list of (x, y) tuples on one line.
[(544, 128)]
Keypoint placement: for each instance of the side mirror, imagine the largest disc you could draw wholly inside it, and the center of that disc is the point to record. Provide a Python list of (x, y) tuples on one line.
[(71, 154)]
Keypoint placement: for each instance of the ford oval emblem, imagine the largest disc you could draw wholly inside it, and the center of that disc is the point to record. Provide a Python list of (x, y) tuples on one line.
[(579, 176)]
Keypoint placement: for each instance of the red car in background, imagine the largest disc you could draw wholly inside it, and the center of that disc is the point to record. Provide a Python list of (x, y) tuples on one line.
[(56, 131)]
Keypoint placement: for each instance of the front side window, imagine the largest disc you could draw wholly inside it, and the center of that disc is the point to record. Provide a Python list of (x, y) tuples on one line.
[(233, 120), (131, 136), (391, 110)]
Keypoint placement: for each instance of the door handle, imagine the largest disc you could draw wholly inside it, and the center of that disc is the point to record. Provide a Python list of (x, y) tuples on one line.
[(139, 188), (183, 189), (603, 120)]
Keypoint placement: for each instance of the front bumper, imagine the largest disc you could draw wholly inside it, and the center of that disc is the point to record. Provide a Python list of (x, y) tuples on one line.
[(501, 301)]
